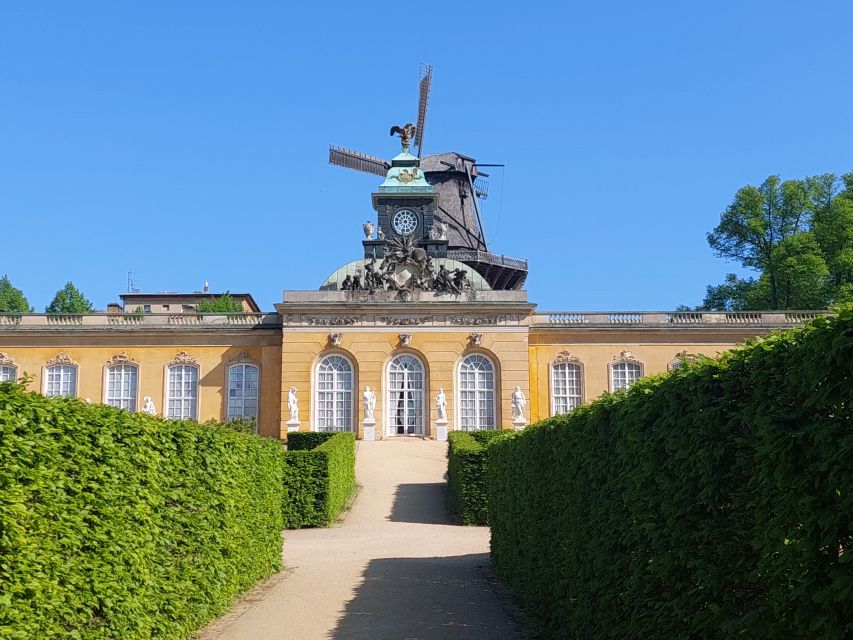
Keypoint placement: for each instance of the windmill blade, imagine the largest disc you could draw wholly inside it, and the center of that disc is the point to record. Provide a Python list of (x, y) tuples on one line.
[(423, 101), (358, 161)]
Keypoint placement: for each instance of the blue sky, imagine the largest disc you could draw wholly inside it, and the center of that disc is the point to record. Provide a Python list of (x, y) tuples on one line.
[(188, 141)]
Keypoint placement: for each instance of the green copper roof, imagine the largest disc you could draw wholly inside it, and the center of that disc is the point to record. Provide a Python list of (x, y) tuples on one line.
[(405, 176)]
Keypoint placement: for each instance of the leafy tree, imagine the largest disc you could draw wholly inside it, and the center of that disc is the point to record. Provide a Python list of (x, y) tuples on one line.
[(225, 303), (69, 300), (12, 300), (797, 235)]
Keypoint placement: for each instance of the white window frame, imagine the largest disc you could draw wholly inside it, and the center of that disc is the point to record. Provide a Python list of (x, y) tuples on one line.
[(342, 417), (629, 383), (8, 372), (243, 398), (126, 402), (579, 398), (482, 394), (65, 368), (418, 395), (167, 412)]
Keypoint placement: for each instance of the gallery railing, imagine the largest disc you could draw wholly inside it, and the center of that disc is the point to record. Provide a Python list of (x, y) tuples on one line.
[(141, 320), (674, 318)]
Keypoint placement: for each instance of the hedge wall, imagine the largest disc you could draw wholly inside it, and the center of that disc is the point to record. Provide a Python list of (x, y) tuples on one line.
[(716, 502), (119, 525), (306, 440), (318, 479), (466, 474)]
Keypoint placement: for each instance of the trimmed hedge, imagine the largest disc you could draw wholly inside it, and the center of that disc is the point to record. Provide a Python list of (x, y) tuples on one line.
[(466, 473), (715, 502), (119, 525), (319, 478)]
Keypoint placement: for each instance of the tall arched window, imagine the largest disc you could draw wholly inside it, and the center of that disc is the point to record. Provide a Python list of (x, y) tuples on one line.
[(566, 387), (334, 394), (624, 374), (8, 372), (61, 380), (242, 392), (476, 393), (121, 382), (182, 392), (405, 406)]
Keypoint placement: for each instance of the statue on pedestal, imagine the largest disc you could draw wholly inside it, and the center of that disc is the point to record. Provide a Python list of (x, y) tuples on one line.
[(441, 405), (368, 228), (519, 402), (369, 398), (293, 405), (148, 406)]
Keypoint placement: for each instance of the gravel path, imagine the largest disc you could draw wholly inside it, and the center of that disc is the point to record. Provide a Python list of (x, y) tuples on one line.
[(395, 568)]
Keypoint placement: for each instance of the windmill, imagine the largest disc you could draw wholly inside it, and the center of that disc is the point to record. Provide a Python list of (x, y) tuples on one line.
[(460, 183)]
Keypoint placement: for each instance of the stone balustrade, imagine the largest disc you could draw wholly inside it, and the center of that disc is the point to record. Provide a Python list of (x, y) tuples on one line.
[(47, 321), (673, 318)]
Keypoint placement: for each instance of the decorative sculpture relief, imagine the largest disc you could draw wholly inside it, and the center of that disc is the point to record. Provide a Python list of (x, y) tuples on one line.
[(369, 399), (368, 228), (293, 405), (330, 320), (625, 356), (335, 339), (120, 358), (475, 320), (441, 405), (475, 338), (6, 361), (405, 339), (566, 356), (183, 357), (438, 230), (243, 356), (60, 358), (392, 320), (519, 402), (148, 406)]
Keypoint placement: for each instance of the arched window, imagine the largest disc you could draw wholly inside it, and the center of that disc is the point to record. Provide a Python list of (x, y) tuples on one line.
[(182, 392), (242, 392), (405, 406), (121, 386), (61, 380), (476, 393), (8, 372), (624, 374), (334, 394), (566, 386)]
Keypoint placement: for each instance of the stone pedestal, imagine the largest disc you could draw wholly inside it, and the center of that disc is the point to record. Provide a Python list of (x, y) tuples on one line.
[(519, 423), (369, 430), (441, 430), (293, 425)]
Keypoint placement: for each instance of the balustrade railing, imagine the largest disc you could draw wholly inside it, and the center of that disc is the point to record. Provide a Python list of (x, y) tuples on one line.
[(670, 318), (135, 320)]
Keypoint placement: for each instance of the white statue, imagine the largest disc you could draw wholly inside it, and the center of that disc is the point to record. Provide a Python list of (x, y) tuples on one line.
[(369, 404), (293, 405), (148, 406), (368, 230), (441, 404), (380, 234), (519, 401), (442, 231)]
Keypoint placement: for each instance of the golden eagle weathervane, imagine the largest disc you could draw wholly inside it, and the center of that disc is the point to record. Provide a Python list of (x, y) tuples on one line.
[(406, 133)]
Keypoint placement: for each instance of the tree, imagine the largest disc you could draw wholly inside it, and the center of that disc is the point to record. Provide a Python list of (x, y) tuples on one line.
[(12, 300), (797, 235), (220, 304), (69, 300)]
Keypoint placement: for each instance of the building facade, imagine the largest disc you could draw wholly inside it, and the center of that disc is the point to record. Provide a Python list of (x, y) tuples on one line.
[(428, 332)]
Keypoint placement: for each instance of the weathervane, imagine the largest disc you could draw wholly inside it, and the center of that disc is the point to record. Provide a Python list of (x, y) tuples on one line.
[(406, 133)]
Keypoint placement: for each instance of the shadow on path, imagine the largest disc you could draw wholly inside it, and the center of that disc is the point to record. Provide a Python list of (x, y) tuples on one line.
[(421, 503), (429, 599)]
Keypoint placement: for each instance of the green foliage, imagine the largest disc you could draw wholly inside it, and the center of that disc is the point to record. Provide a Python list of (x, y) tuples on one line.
[(466, 474), (714, 502), (69, 300), (119, 525), (319, 478), (796, 234), (220, 304), (12, 300), (304, 440)]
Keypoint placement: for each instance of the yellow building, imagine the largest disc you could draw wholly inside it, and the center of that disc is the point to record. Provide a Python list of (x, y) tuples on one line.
[(428, 332)]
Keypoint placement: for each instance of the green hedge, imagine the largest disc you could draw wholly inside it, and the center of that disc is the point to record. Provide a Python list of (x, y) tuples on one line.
[(119, 525), (466, 474), (318, 481), (306, 440), (716, 502)]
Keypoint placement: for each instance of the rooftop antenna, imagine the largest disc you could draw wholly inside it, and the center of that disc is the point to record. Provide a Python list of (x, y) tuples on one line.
[(424, 85), (131, 284)]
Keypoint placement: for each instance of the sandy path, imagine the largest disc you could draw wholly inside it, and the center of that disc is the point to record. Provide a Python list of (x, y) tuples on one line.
[(395, 568)]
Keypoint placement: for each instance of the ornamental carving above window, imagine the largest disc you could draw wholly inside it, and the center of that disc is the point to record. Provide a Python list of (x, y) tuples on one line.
[(243, 356), (120, 358), (566, 356), (6, 361), (60, 358), (183, 357), (625, 356)]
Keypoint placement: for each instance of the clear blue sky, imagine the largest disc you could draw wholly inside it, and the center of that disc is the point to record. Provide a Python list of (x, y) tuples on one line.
[(188, 141)]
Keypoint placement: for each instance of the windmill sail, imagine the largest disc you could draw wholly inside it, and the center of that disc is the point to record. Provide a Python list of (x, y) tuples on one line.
[(423, 101), (357, 161)]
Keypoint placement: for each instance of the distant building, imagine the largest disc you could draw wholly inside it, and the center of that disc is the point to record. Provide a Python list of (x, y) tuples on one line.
[(169, 302)]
